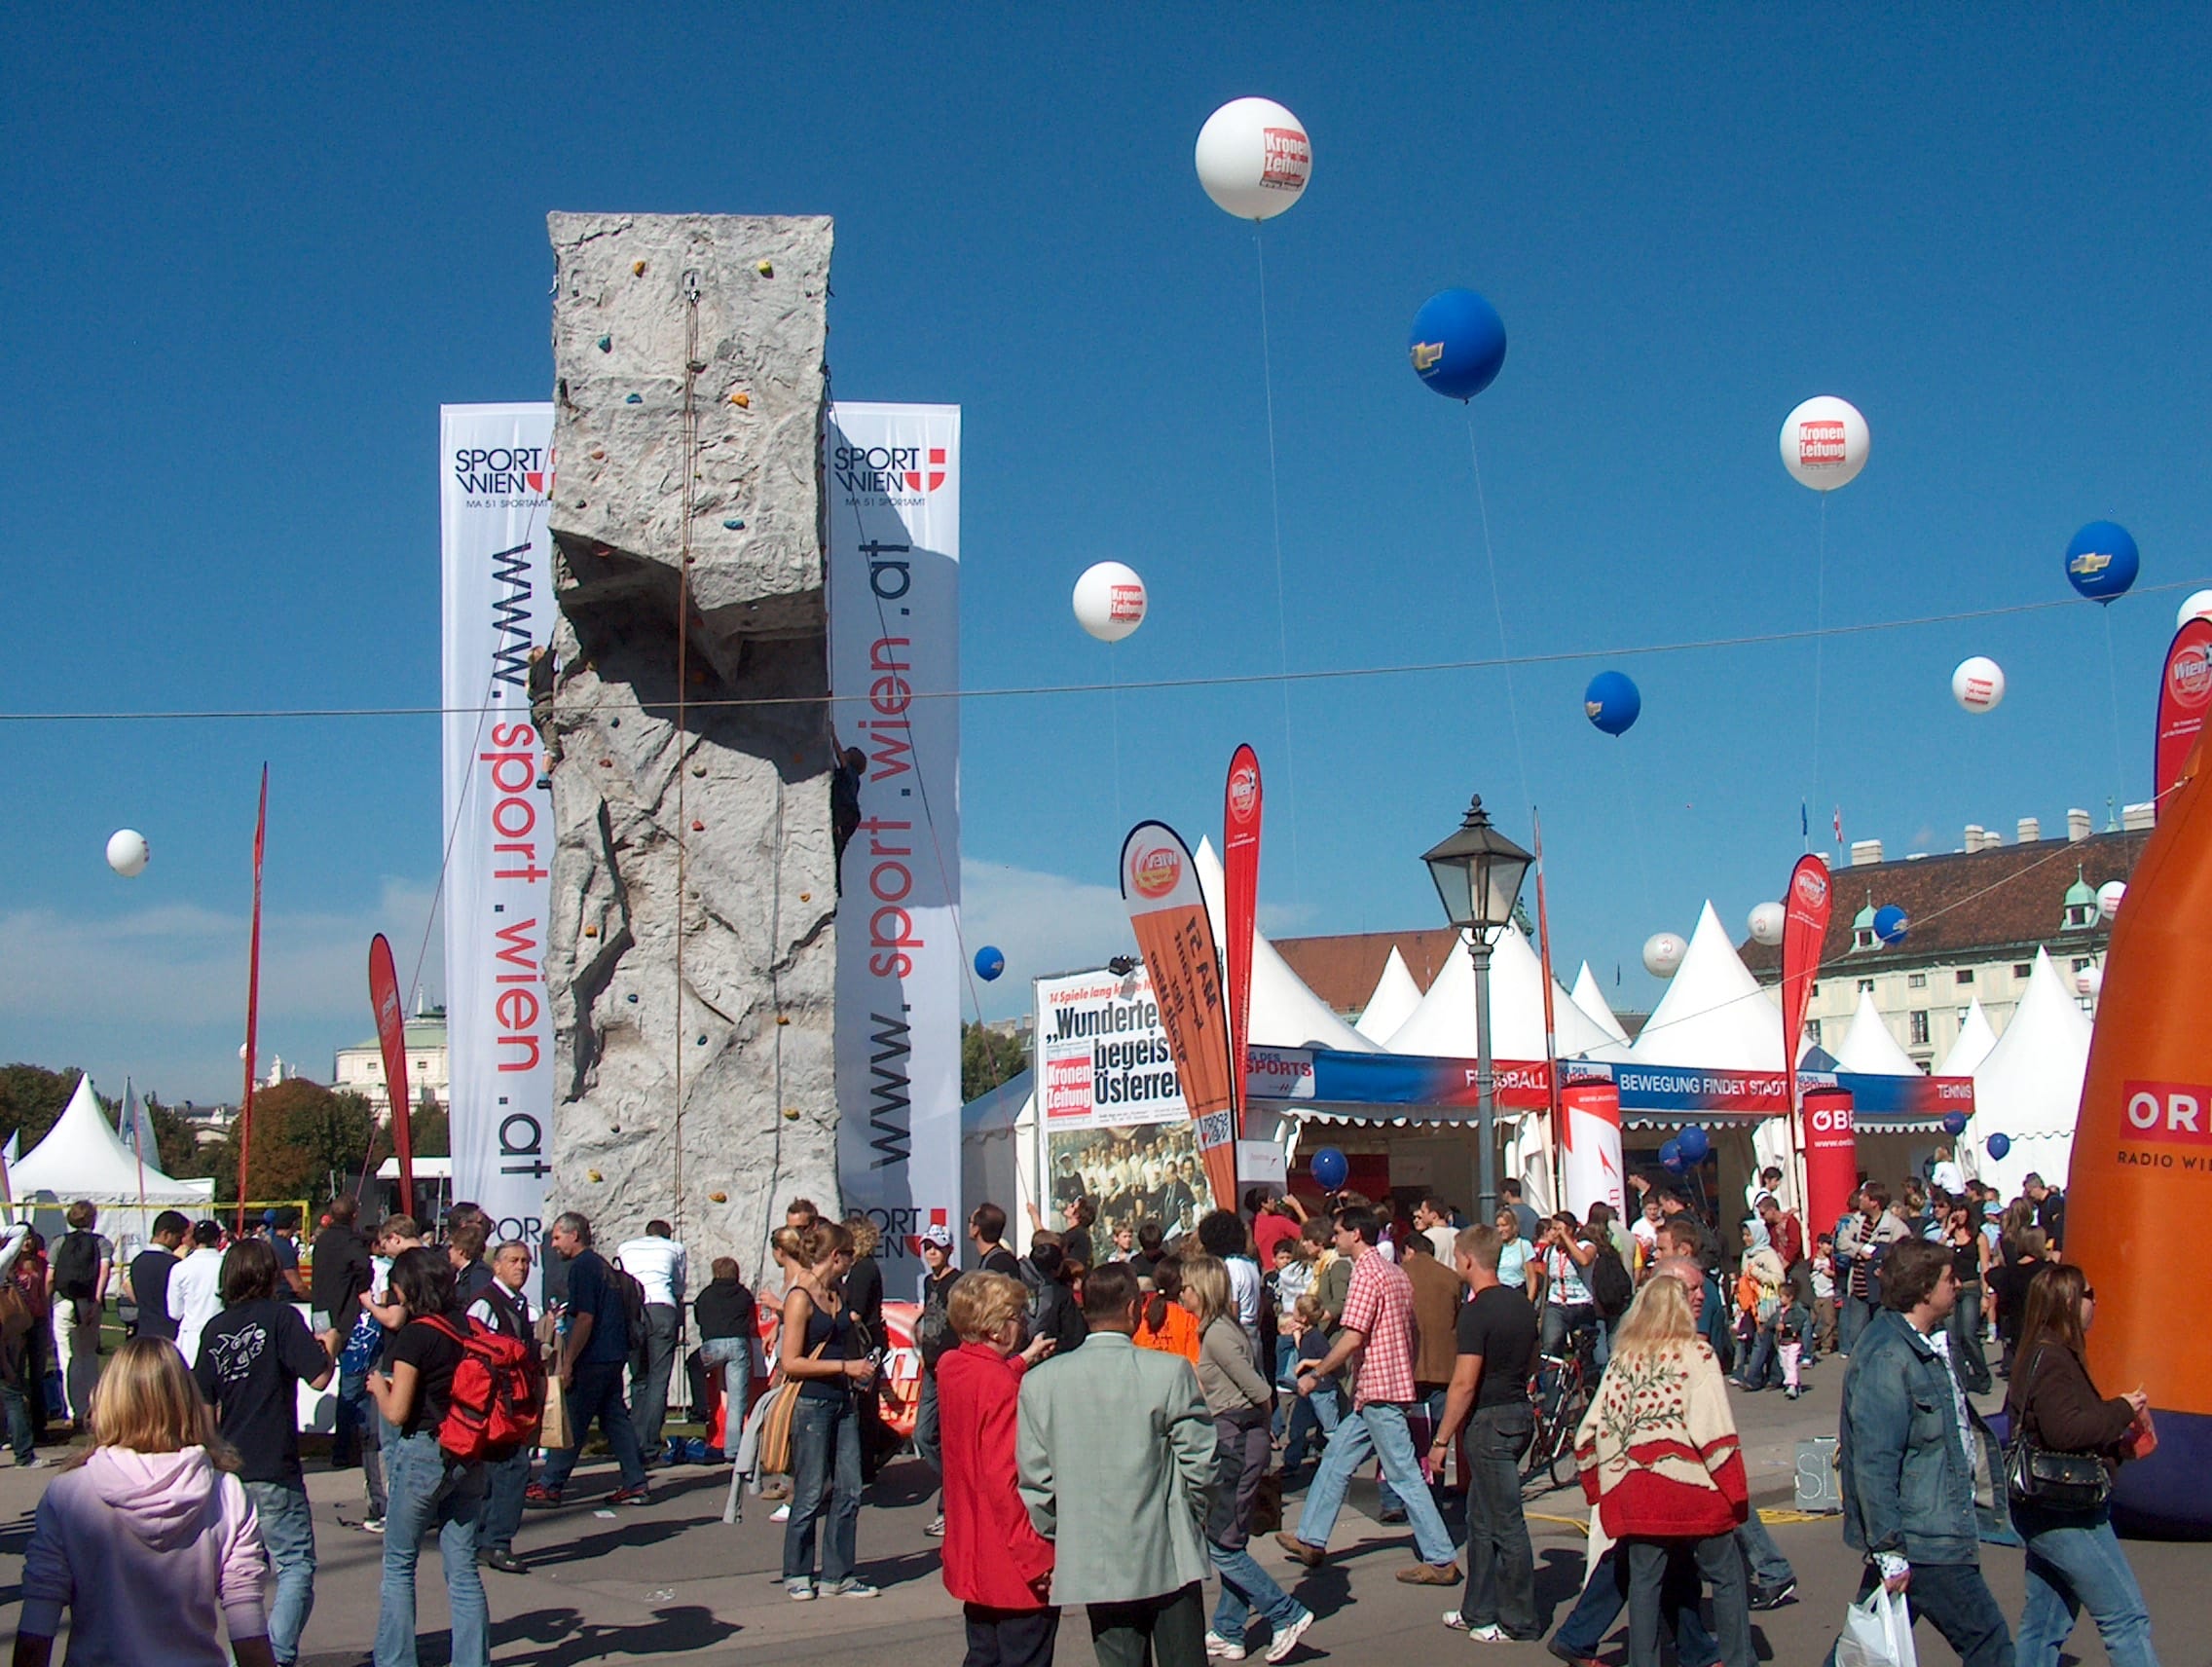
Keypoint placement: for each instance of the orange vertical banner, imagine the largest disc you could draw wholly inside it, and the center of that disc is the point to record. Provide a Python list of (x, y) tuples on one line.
[(1240, 887)]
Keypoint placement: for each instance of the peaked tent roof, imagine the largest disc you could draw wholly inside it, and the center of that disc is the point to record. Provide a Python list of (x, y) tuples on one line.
[(1592, 1001), (1285, 1014), (82, 1157), (1869, 1049), (1714, 1013), (1442, 1025), (1976, 1039), (1396, 997), (2029, 1086)]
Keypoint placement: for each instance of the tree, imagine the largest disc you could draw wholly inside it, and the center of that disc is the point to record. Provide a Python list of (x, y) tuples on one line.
[(31, 1101), (306, 1142), (987, 1058)]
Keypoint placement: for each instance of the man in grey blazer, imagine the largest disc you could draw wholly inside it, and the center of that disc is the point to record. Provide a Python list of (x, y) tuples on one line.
[(1117, 1459)]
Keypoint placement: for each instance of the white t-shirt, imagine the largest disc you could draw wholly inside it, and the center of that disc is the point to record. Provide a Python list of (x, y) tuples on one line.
[(1446, 1237), (195, 1297), (1948, 1177), (660, 1265), (1244, 1290)]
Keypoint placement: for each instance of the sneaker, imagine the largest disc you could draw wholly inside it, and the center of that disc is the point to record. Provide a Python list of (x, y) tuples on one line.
[(1455, 1621), (1222, 1649), (782, 1514), (935, 1528), (1491, 1634), (538, 1496), (1310, 1555), (1286, 1638), (1569, 1656), (1773, 1597), (372, 1525), (853, 1586), (799, 1591), (1391, 1517), (1431, 1574), (34, 1462), (640, 1495)]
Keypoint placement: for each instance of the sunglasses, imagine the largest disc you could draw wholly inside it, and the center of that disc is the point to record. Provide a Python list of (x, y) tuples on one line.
[(2088, 1293)]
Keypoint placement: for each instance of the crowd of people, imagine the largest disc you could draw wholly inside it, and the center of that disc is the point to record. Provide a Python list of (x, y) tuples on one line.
[(1114, 1415)]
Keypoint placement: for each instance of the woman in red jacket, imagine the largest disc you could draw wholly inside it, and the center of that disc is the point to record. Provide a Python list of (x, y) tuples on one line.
[(995, 1561)]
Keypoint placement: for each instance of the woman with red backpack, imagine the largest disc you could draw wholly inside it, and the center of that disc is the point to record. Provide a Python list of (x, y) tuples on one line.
[(425, 1484)]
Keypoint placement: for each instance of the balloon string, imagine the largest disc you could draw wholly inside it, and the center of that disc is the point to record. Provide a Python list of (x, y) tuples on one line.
[(1282, 616), (1497, 607), (1819, 645), (2112, 687), (1113, 702)]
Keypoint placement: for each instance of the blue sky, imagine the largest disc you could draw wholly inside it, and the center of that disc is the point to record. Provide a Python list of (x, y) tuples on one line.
[(249, 254)]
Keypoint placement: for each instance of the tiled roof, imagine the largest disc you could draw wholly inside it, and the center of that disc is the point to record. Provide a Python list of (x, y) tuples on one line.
[(1966, 906), (1343, 970)]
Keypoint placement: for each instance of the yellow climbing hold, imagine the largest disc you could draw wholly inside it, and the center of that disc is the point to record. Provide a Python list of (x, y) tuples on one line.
[(766, 269), (744, 401), (806, 897), (792, 1112), (717, 1198), (637, 269), (782, 1019), (593, 1175)]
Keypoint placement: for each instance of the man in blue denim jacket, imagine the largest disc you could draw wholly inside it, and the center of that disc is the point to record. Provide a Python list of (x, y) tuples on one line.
[(1906, 1458)]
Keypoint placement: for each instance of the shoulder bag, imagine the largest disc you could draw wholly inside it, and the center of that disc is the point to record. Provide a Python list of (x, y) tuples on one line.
[(2036, 1475), (779, 1409)]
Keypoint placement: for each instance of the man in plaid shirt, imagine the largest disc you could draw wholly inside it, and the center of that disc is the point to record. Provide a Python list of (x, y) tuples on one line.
[(1377, 1326)]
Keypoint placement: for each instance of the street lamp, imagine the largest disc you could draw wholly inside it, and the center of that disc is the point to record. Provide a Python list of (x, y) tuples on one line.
[(1478, 873)]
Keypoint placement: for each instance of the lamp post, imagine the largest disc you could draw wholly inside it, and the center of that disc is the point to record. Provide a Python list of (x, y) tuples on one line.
[(1478, 873)]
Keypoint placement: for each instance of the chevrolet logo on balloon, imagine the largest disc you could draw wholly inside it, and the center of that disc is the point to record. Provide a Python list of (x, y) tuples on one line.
[(2089, 563), (1427, 355)]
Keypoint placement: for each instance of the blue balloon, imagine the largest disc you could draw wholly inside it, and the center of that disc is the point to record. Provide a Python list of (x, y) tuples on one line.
[(1890, 924), (1999, 1144), (1954, 1123), (989, 962), (1693, 1144), (1330, 1169), (1457, 343), (1671, 1155), (1613, 702), (2102, 560)]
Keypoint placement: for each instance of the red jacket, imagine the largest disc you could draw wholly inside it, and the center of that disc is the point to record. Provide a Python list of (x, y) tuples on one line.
[(994, 1555)]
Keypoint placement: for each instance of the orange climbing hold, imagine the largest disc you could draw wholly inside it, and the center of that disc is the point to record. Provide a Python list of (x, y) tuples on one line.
[(744, 401), (637, 269)]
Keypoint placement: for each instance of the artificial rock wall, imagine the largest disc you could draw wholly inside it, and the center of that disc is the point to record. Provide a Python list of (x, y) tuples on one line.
[(743, 790)]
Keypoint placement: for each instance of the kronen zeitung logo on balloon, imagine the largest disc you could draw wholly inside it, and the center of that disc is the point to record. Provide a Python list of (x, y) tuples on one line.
[(1155, 871), (1821, 443), (1287, 159)]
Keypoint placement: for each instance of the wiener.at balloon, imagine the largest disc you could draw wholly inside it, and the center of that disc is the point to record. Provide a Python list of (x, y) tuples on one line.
[(1613, 702), (1890, 924), (1663, 953), (1330, 1171), (1825, 443), (1254, 157), (1457, 343), (990, 962), (2102, 561), (1694, 1142), (1978, 685), (1767, 922), (1110, 600), (127, 853)]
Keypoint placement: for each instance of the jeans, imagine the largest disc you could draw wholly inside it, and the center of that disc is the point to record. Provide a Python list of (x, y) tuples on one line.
[(15, 1401), (1286, 1368), (1956, 1600), (1245, 1586), (429, 1490), (1010, 1638), (2075, 1563), (1770, 1570), (1561, 1321), (1660, 1566), (1763, 1367), (826, 1472), (1501, 1566), (648, 1412), (595, 1391), (1965, 1327), (1605, 1594), (732, 1356), (1312, 1418), (1166, 1631), (357, 1413), (287, 1531), (1378, 1429), (1853, 1315), (502, 1515)]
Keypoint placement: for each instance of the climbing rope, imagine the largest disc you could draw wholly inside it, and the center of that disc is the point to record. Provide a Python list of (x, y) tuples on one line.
[(691, 369)]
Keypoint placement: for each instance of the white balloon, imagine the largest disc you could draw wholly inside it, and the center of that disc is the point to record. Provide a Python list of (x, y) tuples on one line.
[(127, 852), (1767, 922), (1825, 443), (241, 1050), (1110, 600), (1663, 953), (1978, 685), (1254, 157), (2089, 980), (2107, 897), (2197, 605)]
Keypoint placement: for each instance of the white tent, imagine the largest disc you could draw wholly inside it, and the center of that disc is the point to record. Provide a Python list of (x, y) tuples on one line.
[(1396, 997), (1442, 1025), (1867, 1048), (1714, 1013), (1592, 1001), (1285, 1014), (82, 1157), (1976, 1039), (2029, 1086)]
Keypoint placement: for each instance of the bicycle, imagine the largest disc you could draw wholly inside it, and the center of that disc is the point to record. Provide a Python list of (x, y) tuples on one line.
[(1559, 1405)]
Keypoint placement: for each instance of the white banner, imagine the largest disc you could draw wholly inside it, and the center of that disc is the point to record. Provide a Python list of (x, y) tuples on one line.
[(1102, 1054), (893, 478), (495, 468)]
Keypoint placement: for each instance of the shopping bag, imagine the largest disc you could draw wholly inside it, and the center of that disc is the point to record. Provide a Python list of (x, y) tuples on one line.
[(554, 1432), (2141, 1439), (1877, 1632)]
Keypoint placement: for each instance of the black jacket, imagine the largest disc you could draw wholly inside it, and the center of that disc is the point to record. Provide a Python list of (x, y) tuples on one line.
[(341, 1274)]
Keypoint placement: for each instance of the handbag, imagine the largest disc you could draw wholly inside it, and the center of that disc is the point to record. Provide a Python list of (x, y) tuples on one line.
[(778, 1410), (2040, 1476)]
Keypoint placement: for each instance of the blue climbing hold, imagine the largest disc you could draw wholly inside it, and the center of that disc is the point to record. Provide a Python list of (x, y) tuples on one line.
[(735, 525), (607, 344), (634, 399)]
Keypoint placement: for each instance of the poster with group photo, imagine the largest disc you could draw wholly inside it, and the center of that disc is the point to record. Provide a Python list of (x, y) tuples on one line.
[(1134, 1172)]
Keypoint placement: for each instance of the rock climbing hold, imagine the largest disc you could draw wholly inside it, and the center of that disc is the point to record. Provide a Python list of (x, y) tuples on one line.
[(637, 269), (614, 722), (606, 344), (597, 454), (702, 1039), (717, 1198), (791, 1112), (806, 897), (632, 996), (766, 269), (591, 932), (698, 827), (782, 1019), (591, 1175), (634, 399), (743, 402), (735, 525), (606, 763), (698, 769)]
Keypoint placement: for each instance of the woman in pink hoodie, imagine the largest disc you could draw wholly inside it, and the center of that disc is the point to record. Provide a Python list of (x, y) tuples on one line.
[(154, 1512)]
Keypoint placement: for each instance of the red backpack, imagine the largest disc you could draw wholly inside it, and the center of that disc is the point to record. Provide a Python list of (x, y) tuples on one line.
[(498, 1399)]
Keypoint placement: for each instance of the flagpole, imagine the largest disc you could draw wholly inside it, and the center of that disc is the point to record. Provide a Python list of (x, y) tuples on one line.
[(137, 1144), (252, 996), (1551, 1030)]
